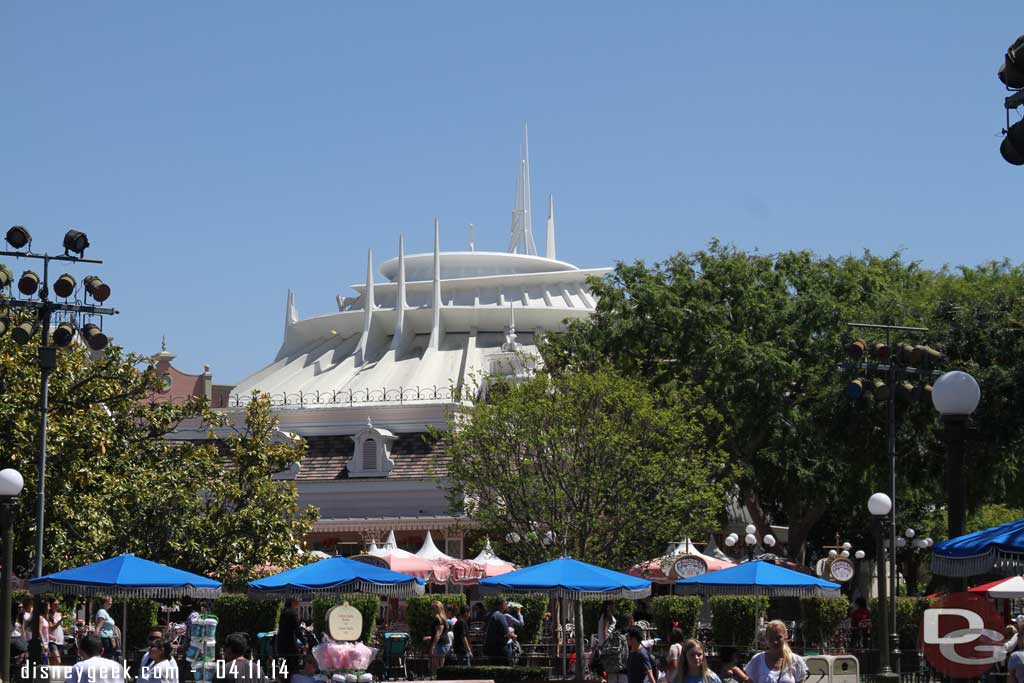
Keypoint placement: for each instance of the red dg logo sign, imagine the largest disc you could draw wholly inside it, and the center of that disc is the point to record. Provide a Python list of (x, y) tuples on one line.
[(962, 635)]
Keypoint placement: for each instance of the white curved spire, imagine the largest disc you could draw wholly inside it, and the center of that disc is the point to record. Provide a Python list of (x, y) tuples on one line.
[(522, 223), (364, 341), (291, 316), (400, 301), (549, 248), (435, 325)]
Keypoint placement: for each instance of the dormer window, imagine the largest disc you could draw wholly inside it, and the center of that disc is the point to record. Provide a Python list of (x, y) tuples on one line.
[(371, 456)]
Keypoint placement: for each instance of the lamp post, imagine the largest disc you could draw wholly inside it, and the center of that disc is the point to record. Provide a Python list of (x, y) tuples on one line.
[(956, 395), (750, 541), (880, 505), (11, 483)]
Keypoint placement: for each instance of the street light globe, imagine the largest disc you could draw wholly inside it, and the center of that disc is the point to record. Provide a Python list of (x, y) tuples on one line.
[(750, 539), (751, 529), (901, 542), (769, 540), (928, 542), (11, 482), (859, 555), (833, 554), (909, 533), (845, 554), (731, 539), (956, 393), (879, 505), (847, 545)]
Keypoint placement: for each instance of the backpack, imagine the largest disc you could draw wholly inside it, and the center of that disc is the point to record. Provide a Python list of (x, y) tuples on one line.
[(614, 653)]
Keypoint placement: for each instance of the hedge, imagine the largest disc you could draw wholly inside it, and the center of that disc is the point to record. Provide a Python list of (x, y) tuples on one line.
[(734, 619), (821, 618), (143, 615), (534, 608), (420, 617), (494, 673), (909, 614), (676, 608), (241, 614), (368, 606)]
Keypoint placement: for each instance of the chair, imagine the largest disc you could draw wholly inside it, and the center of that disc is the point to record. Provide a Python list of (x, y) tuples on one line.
[(393, 653)]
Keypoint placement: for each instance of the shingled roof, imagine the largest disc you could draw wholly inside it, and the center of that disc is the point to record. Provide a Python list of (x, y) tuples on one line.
[(416, 456)]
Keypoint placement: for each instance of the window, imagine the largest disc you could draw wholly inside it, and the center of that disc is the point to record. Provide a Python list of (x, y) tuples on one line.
[(369, 455)]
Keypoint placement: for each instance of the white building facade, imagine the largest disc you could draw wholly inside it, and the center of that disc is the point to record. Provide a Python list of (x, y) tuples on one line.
[(363, 384)]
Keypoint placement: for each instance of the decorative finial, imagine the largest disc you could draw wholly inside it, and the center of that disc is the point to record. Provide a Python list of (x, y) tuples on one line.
[(369, 422), (472, 238), (163, 343)]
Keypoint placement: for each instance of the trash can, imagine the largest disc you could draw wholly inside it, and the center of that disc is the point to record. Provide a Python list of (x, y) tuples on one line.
[(832, 669)]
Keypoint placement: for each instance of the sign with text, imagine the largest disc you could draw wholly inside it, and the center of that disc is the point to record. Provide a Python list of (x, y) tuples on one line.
[(344, 622), (962, 635), (688, 567)]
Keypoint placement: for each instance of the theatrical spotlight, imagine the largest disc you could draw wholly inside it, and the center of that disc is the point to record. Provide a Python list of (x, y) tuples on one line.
[(23, 333), (64, 286), (856, 348), (1011, 72), (97, 288), (64, 334), (18, 237), (6, 276), (94, 337), (28, 283), (855, 389), (1012, 146), (75, 241)]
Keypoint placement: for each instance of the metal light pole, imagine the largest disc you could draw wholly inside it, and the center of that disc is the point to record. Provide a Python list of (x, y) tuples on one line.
[(11, 484), (956, 395), (879, 505), (750, 541)]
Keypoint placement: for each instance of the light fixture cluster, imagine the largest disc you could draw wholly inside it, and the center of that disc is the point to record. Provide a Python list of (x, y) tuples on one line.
[(875, 360), (75, 317), (1011, 73)]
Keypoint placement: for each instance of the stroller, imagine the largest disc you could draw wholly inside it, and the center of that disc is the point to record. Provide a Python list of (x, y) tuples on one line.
[(393, 654)]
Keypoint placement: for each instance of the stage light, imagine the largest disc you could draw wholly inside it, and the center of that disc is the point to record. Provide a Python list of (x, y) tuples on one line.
[(75, 241), (855, 389), (1011, 73), (64, 286), (857, 348), (23, 333), (97, 288), (18, 237), (880, 351), (6, 276), (880, 389), (28, 283), (1012, 146), (94, 337), (925, 354), (64, 334)]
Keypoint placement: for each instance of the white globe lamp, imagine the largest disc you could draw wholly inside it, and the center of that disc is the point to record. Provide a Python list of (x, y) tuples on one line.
[(769, 540), (956, 394), (750, 539), (859, 555), (751, 529), (879, 504), (11, 483)]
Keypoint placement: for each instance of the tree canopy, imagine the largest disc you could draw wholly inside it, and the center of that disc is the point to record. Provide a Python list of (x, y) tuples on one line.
[(763, 336), (588, 464), (115, 484)]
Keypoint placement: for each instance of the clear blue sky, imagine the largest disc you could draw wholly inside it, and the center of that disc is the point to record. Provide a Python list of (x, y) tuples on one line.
[(219, 153)]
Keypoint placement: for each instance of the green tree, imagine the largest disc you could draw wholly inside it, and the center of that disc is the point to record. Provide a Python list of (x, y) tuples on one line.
[(762, 335), (116, 484), (588, 464)]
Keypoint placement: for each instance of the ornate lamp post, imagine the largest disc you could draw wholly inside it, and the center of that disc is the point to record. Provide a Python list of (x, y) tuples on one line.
[(11, 483), (956, 395), (880, 505), (750, 541)]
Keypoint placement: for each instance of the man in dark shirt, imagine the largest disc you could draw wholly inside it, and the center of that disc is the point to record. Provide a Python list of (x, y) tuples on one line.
[(288, 634), (639, 668), (496, 635), (461, 648)]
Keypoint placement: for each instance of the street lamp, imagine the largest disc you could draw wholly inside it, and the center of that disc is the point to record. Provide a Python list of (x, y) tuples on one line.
[(750, 540), (955, 395), (11, 483), (879, 505)]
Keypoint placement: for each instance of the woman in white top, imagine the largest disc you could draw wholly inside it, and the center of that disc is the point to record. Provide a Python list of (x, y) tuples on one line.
[(777, 664), (675, 655), (606, 623), (56, 632), (160, 667)]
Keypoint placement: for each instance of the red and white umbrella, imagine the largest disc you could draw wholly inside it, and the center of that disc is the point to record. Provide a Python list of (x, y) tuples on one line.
[(492, 564), (448, 569), (1012, 587), (657, 569), (402, 560)]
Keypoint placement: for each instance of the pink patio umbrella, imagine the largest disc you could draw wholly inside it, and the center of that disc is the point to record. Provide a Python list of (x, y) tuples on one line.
[(403, 561), (448, 569), (656, 569)]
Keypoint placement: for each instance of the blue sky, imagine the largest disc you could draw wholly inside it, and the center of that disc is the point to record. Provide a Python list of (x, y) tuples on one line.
[(218, 154)]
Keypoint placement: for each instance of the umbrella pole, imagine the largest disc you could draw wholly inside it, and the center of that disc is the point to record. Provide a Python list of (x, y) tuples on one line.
[(124, 631), (580, 646), (560, 644)]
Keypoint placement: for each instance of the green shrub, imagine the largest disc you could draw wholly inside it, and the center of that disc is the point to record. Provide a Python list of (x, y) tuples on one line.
[(534, 607), (622, 609), (909, 612), (734, 619), (821, 618), (143, 615), (420, 617), (494, 673), (676, 608), (241, 614), (368, 606)]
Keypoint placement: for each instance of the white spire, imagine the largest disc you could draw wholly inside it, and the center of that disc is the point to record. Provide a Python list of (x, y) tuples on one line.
[(522, 224), (396, 339), (368, 306), (291, 316), (510, 339), (472, 238), (435, 327), (549, 250)]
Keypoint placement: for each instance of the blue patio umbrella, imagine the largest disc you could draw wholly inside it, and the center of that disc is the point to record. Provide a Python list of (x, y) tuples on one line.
[(757, 578), (572, 579), (336, 576), (127, 576), (997, 550)]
